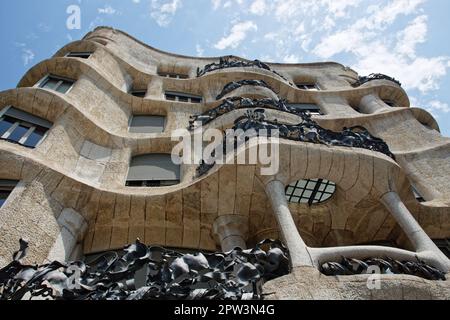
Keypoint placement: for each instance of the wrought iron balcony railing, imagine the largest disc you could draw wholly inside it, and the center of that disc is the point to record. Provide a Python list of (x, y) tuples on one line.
[(375, 76)]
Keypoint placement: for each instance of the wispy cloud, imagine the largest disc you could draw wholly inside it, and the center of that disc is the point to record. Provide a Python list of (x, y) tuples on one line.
[(237, 34), (162, 11)]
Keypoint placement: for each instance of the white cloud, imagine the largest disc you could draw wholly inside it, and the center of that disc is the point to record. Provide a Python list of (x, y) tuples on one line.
[(27, 56), (411, 36), (162, 11), (216, 4), (200, 51), (237, 34), (292, 58), (136, 1), (258, 7)]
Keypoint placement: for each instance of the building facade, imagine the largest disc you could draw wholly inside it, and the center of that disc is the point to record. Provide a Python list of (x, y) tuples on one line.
[(86, 167)]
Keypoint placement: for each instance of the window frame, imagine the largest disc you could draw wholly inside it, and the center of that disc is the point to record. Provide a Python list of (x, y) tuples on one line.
[(136, 93), (177, 95), (74, 54), (310, 191), (40, 84), (308, 86), (136, 183), (147, 115), (171, 75), (7, 186), (17, 122), (314, 111)]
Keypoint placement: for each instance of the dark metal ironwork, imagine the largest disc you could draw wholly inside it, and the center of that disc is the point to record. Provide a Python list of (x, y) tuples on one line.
[(233, 62), (235, 103), (385, 266), (310, 191), (235, 275), (230, 87), (306, 131), (375, 76)]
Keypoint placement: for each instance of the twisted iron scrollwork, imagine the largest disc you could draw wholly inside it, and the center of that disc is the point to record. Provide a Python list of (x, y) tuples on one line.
[(235, 103), (306, 131), (383, 266), (230, 87), (235, 275), (233, 62), (375, 76)]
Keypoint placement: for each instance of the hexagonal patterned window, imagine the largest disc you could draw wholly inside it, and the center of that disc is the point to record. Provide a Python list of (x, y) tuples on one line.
[(311, 191)]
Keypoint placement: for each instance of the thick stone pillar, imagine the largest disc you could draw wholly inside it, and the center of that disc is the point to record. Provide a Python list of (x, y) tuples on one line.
[(372, 104), (231, 231), (297, 247), (72, 226), (418, 237)]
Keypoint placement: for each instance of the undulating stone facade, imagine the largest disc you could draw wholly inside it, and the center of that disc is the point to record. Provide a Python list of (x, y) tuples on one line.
[(72, 194)]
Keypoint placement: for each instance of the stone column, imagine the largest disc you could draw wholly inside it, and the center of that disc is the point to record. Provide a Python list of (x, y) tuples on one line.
[(231, 231), (72, 226), (372, 104), (297, 247), (418, 237)]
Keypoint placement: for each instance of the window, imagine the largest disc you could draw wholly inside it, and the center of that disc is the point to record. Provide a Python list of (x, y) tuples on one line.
[(310, 191), (21, 127), (139, 93), (57, 84), (390, 103), (6, 187), (183, 97), (82, 55), (312, 108), (147, 124), (444, 245), (173, 75), (308, 86), (153, 170), (417, 195)]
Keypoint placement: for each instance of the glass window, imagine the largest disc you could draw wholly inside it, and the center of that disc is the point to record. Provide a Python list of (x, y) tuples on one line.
[(5, 124), (312, 108), (18, 133), (308, 86), (153, 170), (22, 127), (183, 97), (139, 93), (56, 83), (311, 191), (35, 137), (147, 124), (6, 187), (82, 55)]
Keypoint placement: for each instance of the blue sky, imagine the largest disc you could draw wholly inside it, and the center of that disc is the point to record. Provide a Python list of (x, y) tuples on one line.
[(406, 39)]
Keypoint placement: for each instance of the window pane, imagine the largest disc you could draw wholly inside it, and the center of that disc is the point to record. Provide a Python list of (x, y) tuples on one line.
[(50, 83), (183, 99), (64, 87), (5, 124), (35, 137), (3, 196), (170, 97), (18, 133)]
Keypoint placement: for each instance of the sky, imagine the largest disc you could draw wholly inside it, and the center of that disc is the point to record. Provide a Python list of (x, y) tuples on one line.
[(405, 39)]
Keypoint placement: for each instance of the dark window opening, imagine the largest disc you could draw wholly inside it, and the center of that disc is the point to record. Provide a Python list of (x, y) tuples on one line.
[(390, 103), (444, 246), (417, 195), (153, 170), (183, 97), (23, 128), (6, 187), (311, 191), (57, 84), (147, 124), (308, 86), (310, 107), (139, 93), (173, 75), (82, 55)]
